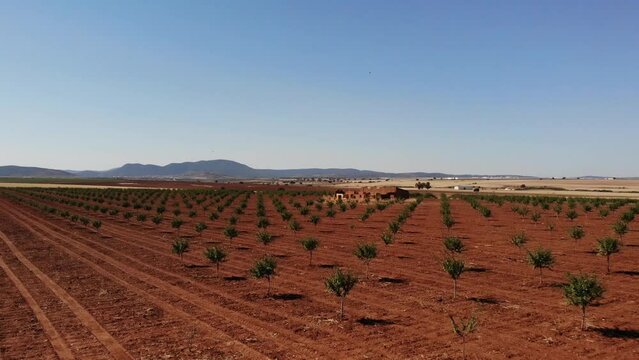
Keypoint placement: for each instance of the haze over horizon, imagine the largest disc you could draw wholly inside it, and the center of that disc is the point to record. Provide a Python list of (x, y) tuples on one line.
[(541, 88)]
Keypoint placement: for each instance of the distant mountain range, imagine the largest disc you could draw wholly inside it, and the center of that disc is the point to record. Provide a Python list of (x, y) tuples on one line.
[(221, 169)]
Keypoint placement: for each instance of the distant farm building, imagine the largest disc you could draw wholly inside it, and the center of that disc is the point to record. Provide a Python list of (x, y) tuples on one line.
[(372, 193)]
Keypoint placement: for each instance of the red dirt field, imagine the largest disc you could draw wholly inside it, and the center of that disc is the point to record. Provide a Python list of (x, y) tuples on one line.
[(71, 292)]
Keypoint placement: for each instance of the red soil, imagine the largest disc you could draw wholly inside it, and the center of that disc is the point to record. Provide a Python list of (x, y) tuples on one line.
[(121, 293)]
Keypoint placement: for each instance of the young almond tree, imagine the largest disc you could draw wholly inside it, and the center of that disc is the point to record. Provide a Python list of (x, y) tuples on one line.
[(200, 227), (454, 268), (97, 224), (264, 268), (540, 259), (314, 219), (582, 290), (295, 226), (572, 215), (230, 232), (177, 224), (465, 327), (310, 244), (620, 228), (576, 232), (519, 239), (157, 219), (340, 284), (180, 246), (216, 255), (387, 237), (453, 244), (264, 237), (366, 253), (606, 247)]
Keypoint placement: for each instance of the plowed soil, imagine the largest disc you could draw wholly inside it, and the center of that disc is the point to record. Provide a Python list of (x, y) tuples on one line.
[(121, 293)]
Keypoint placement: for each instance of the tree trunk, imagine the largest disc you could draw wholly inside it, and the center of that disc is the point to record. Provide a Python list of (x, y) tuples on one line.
[(464, 347), (269, 286), (608, 260), (583, 318), (454, 288), (310, 261), (341, 308), (540, 276), (217, 267)]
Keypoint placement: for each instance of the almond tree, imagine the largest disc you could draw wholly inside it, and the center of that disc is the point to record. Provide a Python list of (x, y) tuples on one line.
[(314, 219), (465, 327), (230, 232), (216, 255), (540, 259), (264, 237), (454, 268), (200, 227), (265, 268), (366, 253), (177, 224), (310, 244), (576, 232), (387, 237), (581, 291), (620, 228), (340, 284), (519, 239), (180, 246), (453, 244), (606, 247)]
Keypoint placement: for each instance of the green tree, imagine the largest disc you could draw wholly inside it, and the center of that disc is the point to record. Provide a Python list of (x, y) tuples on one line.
[(230, 232), (264, 237), (263, 223), (519, 239), (540, 259), (572, 214), (180, 246), (581, 291), (200, 227), (97, 224), (340, 284), (294, 225), (606, 247), (366, 253), (394, 227), (620, 228), (314, 219), (454, 268), (535, 217), (310, 244), (453, 244), (216, 255), (387, 237), (576, 232), (465, 327), (177, 224), (157, 219), (265, 268)]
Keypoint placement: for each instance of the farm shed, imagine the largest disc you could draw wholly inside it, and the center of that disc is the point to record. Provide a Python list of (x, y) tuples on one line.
[(372, 193)]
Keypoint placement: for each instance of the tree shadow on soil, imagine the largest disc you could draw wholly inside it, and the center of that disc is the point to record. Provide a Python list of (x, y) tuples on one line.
[(476, 269), (366, 321), (234, 278), (485, 300), (243, 248), (617, 333), (288, 296), (196, 266), (404, 257), (628, 272), (327, 266), (408, 242), (391, 280)]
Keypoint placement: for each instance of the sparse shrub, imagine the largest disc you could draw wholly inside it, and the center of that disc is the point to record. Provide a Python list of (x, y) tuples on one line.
[(387, 237), (571, 214), (157, 219), (535, 217), (294, 225), (233, 220), (200, 227), (97, 224), (582, 291), (177, 224), (340, 284)]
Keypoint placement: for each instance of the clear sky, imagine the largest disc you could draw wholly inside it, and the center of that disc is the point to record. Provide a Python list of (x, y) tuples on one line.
[(544, 87)]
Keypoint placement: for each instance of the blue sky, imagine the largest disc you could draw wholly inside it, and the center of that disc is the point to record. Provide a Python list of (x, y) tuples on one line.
[(546, 88)]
